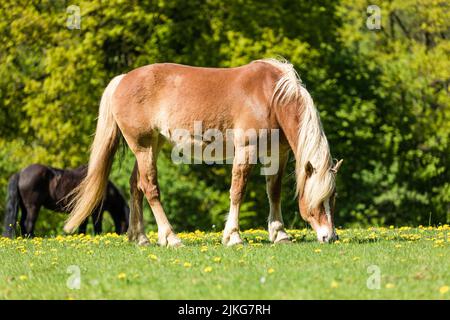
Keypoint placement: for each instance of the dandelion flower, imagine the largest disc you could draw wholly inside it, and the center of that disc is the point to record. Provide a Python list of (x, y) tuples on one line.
[(153, 257), (207, 269), (217, 259), (24, 277), (318, 250), (334, 284), (121, 276), (270, 270), (187, 265), (443, 289), (390, 285)]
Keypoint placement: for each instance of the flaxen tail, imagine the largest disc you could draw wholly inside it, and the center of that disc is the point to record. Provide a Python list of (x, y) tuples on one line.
[(12, 206), (88, 195)]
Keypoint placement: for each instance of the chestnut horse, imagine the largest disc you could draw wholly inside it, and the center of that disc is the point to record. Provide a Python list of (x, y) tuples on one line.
[(148, 104)]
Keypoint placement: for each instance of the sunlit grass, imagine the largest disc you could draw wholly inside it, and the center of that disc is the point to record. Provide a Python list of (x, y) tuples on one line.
[(413, 263)]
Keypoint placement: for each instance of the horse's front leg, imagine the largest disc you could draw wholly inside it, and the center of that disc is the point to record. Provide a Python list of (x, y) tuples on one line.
[(277, 234), (240, 173)]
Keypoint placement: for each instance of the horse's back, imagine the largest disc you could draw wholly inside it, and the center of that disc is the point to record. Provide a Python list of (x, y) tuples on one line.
[(168, 96)]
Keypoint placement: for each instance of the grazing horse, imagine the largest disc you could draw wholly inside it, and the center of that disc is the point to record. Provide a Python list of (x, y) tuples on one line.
[(38, 185), (147, 105)]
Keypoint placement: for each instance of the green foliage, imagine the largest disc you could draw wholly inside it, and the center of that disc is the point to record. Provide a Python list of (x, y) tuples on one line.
[(382, 94)]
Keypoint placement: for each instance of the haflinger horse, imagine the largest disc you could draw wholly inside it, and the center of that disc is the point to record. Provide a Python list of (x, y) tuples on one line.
[(149, 103), (39, 186)]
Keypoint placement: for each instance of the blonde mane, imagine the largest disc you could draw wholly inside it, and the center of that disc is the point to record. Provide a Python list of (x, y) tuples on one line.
[(312, 143)]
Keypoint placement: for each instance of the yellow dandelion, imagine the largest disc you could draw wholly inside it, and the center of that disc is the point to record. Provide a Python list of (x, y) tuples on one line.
[(217, 259), (443, 289), (270, 270), (334, 284), (121, 276), (207, 269), (187, 265), (318, 250), (204, 249), (153, 257), (390, 285), (24, 277)]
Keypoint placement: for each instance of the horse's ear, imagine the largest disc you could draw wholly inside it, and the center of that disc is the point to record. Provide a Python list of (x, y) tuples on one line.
[(336, 167), (309, 169)]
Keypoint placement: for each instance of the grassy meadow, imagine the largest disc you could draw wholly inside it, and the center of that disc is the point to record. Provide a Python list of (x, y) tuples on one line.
[(374, 263)]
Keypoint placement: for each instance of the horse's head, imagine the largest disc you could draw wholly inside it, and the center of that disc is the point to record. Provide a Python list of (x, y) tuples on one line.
[(317, 205)]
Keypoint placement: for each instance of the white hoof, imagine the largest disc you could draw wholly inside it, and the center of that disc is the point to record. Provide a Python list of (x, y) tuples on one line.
[(143, 240), (232, 239), (282, 237), (277, 233), (171, 240), (140, 238)]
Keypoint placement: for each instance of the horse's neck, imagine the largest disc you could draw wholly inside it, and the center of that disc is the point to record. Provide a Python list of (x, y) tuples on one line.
[(288, 117)]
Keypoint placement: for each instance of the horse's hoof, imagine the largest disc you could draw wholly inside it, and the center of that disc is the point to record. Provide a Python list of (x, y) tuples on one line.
[(176, 245), (280, 237), (233, 239), (283, 241), (171, 241), (143, 242)]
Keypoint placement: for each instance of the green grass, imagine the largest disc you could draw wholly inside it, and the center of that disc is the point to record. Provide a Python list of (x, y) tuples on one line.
[(413, 264)]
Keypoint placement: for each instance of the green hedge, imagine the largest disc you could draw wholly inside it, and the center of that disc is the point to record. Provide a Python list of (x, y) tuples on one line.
[(383, 95)]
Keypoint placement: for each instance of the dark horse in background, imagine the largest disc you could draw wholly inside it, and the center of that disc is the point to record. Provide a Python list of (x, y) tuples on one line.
[(38, 185)]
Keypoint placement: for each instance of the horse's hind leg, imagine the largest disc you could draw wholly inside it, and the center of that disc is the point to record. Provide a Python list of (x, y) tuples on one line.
[(23, 217), (136, 224), (97, 220), (149, 184), (82, 228), (277, 234), (28, 221)]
